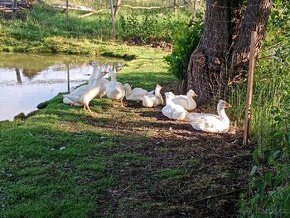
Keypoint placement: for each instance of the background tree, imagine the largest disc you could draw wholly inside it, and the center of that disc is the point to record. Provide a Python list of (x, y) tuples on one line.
[(223, 51)]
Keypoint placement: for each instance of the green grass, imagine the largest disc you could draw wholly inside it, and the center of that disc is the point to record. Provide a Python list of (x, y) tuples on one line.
[(48, 30), (54, 164), (170, 174)]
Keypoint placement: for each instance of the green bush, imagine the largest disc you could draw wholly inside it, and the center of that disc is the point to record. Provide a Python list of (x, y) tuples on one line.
[(185, 40), (150, 26)]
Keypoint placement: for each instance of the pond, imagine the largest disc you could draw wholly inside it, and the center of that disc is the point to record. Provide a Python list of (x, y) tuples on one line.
[(28, 79)]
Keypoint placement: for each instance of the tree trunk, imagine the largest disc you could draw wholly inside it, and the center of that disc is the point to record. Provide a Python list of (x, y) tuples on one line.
[(113, 19), (193, 9), (117, 8), (175, 6), (255, 19), (224, 45)]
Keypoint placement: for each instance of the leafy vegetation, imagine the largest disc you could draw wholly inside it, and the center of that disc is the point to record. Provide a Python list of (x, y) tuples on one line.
[(45, 29), (184, 44), (269, 182)]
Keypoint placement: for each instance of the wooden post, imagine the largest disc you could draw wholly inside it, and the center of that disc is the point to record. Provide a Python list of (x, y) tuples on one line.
[(184, 4), (175, 6), (68, 77), (14, 9), (67, 9), (113, 19), (18, 75), (117, 8), (250, 88)]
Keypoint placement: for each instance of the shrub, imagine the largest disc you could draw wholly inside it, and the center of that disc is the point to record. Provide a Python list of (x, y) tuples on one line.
[(185, 40)]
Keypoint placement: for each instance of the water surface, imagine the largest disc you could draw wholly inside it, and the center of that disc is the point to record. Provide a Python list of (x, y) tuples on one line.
[(28, 79)]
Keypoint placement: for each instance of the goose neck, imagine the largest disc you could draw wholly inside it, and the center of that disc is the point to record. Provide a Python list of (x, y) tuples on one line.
[(113, 77), (222, 113)]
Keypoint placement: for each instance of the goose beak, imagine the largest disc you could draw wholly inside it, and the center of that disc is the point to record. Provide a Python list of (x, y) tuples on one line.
[(227, 105)]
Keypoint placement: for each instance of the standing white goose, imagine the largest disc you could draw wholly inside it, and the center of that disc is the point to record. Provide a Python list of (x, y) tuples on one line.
[(84, 88), (103, 82), (172, 110), (210, 122), (153, 100), (85, 98), (186, 101), (116, 90)]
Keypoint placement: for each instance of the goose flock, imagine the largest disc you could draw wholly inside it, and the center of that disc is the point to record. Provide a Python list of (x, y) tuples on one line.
[(177, 107)]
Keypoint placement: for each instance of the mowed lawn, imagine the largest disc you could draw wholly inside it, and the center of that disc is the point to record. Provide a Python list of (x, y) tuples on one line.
[(119, 162)]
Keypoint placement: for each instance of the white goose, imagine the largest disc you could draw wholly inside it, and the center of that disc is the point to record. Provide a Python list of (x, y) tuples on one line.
[(88, 95), (172, 110), (153, 100), (103, 82), (186, 101), (116, 90), (84, 88), (210, 122), (137, 94)]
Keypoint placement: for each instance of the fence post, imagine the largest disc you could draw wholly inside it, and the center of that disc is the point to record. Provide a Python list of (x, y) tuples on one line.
[(175, 6), (113, 18), (250, 88), (67, 9), (14, 8)]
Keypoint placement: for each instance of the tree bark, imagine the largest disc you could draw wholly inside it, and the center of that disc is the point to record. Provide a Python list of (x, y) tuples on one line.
[(193, 9), (255, 19), (113, 19), (224, 45), (117, 8)]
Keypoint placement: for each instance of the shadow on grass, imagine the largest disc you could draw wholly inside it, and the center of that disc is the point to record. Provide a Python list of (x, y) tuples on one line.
[(65, 162)]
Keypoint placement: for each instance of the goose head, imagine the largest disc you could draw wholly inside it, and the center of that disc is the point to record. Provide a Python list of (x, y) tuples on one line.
[(191, 93), (127, 88), (94, 63), (221, 108), (222, 105), (169, 96), (101, 75), (158, 88)]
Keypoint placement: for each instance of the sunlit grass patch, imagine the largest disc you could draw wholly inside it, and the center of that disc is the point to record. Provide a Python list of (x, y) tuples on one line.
[(170, 174)]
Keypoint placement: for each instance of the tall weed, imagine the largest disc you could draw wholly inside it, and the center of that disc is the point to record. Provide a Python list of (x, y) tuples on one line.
[(270, 176)]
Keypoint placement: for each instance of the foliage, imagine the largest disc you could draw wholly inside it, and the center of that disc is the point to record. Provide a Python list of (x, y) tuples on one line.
[(150, 26), (269, 178), (44, 22), (185, 41)]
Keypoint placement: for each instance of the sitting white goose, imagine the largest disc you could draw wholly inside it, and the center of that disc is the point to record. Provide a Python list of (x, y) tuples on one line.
[(210, 122), (153, 100), (172, 110), (116, 90), (137, 94), (186, 101), (85, 98)]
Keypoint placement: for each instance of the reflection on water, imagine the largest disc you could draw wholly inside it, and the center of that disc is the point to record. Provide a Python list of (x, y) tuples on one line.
[(27, 80)]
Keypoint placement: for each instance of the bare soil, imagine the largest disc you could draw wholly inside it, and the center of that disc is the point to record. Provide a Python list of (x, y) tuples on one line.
[(170, 170)]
